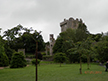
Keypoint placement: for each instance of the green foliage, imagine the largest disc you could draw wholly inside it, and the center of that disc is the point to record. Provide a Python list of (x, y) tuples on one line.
[(4, 61), (11, 34), (80, 35), (0, 30), (96, 37), (58, 45), (34, 61), (30, 56), (46, 57), (39, 56), (67, 42), (9, 52), (69, 34), (83, 28), (102, 50), (43, 53), (68, 38), (73, 55), (18, 60), (60, 58), (16, 39)]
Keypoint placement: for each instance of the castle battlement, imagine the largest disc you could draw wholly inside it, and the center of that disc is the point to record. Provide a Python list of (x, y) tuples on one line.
[(71, 23)]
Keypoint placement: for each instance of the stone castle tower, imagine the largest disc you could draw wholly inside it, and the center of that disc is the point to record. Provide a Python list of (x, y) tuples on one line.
[(52, 42), (49, 47), (71, 23)]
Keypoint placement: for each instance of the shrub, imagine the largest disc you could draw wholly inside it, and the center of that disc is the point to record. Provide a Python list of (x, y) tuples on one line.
[(30, 56), (9, 52), (4, 61), (60, 58), (18, 60), (39, 55), (43, 53), (46, 57), (34, 61)]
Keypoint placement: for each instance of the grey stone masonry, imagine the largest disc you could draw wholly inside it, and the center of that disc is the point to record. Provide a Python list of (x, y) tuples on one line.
[(71, 23), (52, 42), (22, 50)]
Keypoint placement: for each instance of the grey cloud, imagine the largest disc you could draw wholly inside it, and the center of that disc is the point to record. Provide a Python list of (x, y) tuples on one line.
[(45, 15)]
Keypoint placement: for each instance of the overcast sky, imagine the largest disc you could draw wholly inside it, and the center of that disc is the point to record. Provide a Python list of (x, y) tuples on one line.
[(46, 15)]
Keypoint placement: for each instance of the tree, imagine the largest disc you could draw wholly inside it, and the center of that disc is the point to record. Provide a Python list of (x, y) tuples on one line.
[(96, 37), (67, 38), (58, 45), (0, 30), (9, 52), (4, 61), (33, 61), (60, 58), (19, 37), (18, 60), (80, 51), (11, 34), (87, 46), (73, 55), (102, 50)]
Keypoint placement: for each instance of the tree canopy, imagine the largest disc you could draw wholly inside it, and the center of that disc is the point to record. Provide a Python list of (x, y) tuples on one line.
[(20, 37)]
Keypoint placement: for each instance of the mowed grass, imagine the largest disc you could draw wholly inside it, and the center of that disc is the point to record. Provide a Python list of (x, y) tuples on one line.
[(53, 72)]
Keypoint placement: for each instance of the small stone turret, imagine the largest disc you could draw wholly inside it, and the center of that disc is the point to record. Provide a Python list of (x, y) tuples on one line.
[(52, 42)]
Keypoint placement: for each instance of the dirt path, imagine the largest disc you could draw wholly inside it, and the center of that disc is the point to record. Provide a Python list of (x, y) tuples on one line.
[(1, 67)]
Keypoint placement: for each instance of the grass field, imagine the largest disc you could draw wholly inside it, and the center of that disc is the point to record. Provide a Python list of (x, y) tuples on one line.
[(52, 72)]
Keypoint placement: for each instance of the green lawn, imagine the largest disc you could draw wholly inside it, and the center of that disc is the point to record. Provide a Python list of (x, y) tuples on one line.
[(52, 72)]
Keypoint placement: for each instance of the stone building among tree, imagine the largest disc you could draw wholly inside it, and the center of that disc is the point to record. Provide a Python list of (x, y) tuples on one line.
[(52, 42), (49, 48), (71, 23)]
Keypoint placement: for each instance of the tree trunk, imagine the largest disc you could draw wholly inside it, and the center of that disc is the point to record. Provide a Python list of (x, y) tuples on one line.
[(80, 65), (36, 59), (88, 61), (60, 64)]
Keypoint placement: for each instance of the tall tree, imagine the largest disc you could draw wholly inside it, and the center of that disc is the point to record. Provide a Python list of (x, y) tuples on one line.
[(11, 34), (4, 61), (87, 45), (58, 45), (102, 50), (60, 58), (19, 37)]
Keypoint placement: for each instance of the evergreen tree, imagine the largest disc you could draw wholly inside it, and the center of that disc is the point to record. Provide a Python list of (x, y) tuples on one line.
[(4, 61), (18, 60)]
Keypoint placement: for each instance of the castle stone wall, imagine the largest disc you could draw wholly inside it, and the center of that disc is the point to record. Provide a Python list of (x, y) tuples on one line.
[(71, 23), (52, 42)]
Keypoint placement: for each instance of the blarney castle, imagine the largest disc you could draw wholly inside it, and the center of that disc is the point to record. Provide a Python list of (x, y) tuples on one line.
[(70, 23)]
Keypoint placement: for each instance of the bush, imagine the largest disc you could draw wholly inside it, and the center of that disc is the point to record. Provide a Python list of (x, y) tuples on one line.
[(60, 58), (30, 56), (4, 61), (46, 57), (43, 53), (18, 60), (34, 61), (39, 55), (9, 52)]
